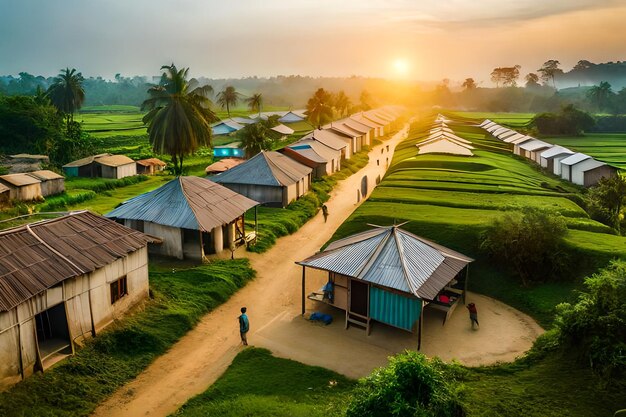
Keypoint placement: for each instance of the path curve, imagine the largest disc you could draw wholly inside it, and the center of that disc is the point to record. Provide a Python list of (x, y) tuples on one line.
[(273, 301)]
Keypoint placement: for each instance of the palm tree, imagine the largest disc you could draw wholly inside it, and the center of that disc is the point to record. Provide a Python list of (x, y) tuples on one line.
[(179, 117), (319, 108), (342, 103), (227, 98), (67, 94), (255, 101), (600, 95), (255, 138)]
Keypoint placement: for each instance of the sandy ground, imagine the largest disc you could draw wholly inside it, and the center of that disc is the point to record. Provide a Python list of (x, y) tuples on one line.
[(274, 304)]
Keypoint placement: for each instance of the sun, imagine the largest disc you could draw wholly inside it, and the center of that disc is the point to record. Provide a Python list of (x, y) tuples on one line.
[(401, 66)]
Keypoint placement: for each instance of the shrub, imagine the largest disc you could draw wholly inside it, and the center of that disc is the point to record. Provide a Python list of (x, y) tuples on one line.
[(596, 324), (531, 243), (570, 121), (411, 385)]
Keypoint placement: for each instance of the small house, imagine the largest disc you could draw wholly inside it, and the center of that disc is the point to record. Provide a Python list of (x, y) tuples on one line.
[(358, 137), (532, 149), (225, 127), (377, 128), (51, 182), (22, 187), (103, 165), (5, 194), (330, 155), (150, 166), (548, 156), (270, 178), (584, 170), (388, 275), (332, 140), (306, 155), (63, 280), (291, 117), (222, 165), (192, 216)]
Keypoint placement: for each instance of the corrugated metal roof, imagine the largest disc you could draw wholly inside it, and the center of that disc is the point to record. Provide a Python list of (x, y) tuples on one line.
[(85, 161), (555, 151), (45, 175), (506, 134), (493, 128), (393, 258), (355, 125), (285, 130), (19, 180), (328, 138), (574, 159), (223, 165), (114, 160), (533, 145), (500, 131), (38, 256), (592, 164), (343, 129), (363, 120), (515, 137), (291, 117), (186, 202), (522, 140), (322, 150), (307, 152), (266, 168), (371, 115)]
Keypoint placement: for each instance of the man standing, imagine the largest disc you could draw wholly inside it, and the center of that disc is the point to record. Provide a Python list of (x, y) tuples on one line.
[(325, 212), (244, 326), (473, 313)]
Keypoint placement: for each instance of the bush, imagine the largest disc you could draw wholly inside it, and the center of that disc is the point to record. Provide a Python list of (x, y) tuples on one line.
[(596, 324), (570, 121), (530, 243), (411, 385)]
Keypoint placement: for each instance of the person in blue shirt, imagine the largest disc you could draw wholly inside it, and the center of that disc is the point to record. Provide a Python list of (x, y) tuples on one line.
[(244, 326)]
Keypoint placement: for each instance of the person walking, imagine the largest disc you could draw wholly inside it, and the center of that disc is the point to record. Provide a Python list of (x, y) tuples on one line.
[(473, 313), (325, 212), (244, 326)]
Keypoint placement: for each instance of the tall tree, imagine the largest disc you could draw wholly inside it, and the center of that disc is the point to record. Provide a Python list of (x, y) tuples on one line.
[(179, 118), (257, 137), (549, 70), (601, 95), (607, 199), (255, 102), (228, 97), (319, 108), (532, 80), (342, 103), (507, 76), (469, 84), (67, 94)]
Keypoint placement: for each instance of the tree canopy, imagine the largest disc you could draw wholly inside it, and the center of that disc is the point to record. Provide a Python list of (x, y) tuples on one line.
[(549, 70), (319, 108), (255, 102), (227, 98), (179, 118), (67, 94)]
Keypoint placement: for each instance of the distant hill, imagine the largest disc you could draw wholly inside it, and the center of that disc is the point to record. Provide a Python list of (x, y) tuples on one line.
[(587, 73)]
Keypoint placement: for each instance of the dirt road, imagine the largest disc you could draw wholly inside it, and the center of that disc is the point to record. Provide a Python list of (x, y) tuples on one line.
[(273, 301)]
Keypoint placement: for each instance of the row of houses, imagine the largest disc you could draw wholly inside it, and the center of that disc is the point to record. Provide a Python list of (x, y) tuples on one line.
[(276, 178), (106, 165), (30, 186), (572, 166), (234, 124)]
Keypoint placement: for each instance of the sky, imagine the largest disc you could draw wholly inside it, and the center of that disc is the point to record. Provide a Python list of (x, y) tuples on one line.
[(415, 39)]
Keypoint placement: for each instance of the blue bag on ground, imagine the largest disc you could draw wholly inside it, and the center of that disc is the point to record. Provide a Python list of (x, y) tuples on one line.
[(324, 318)]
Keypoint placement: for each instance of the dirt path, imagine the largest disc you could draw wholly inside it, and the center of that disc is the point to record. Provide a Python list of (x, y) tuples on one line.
[(273, 301)]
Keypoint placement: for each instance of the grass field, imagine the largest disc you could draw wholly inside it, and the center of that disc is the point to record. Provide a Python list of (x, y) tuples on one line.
[(510, 119), (453, 199), (259, 384), (606, 147)]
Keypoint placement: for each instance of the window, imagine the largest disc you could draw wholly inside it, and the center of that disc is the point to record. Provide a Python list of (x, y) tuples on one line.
[(118, 289)]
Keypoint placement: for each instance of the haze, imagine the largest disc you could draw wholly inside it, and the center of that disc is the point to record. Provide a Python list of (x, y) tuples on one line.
[(425, 40)]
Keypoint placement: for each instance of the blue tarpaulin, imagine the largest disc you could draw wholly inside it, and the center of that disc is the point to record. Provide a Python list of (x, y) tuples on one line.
[(395, 309)]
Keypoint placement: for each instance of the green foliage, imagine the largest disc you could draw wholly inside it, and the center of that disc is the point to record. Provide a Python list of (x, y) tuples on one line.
[(65, 200), (75, 386), (606, 200), (103, 184), (66, 93), (257, 137), (595, 325), (530, 243), (570, 121), (259, 384), (319, 108), (75, 145), (410, 385)]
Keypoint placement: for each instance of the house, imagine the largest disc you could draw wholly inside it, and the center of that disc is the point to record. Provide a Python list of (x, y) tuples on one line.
[(292, 117), (388, 275), (500, 131), (270, 178), (150, 166), (493, 128), (445, 145), (63, 280), (376, 119), (332, 156), (517, 150), (22, 187), (282, 131), (5, 194), (516, 137), (225, 127), (531, 149), (305, 155), (357, 138), (548, 155), (583, 170), (377, 128), (222, 165), (102, 166), (332, 140), (366, 131), (192, 216), (51, 182)]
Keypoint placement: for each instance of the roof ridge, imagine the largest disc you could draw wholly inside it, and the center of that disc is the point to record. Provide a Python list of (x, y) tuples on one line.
[(365, 268), (59, 254), (182, 190)]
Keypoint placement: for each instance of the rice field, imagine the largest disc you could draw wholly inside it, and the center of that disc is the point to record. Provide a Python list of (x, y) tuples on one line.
[(605, 147)]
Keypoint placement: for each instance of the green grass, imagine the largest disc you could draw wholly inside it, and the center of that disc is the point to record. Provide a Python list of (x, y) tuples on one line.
[(259, 384), (112, 123), (179, 299), (509, 119), (606, 147)]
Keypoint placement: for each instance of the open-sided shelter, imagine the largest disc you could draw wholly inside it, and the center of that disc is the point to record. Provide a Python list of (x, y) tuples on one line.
[(388, 275), (270, 178), (61, 281), (192, 216)]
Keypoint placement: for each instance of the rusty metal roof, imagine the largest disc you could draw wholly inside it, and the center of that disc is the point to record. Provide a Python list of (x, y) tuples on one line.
[(223, 165), (186, 202), (151, 162), (394, 258), (40, 255)]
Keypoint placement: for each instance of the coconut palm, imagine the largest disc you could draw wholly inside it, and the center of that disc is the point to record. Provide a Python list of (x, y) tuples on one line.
[(601, 95), (179, 117), (227, 98), (255, 101), (319, 108), (67, 94)]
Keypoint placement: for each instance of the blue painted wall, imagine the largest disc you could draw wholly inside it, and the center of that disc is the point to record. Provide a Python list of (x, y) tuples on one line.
[(394, 309)]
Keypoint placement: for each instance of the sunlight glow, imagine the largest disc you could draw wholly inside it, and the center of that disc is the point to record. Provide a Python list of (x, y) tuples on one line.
[(401, 67)]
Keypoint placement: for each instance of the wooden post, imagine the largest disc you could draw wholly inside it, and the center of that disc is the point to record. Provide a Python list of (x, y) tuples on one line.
[(465, 285), (19, 342), (201, 246), (256, 224), (419, 328), (303, 290)]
